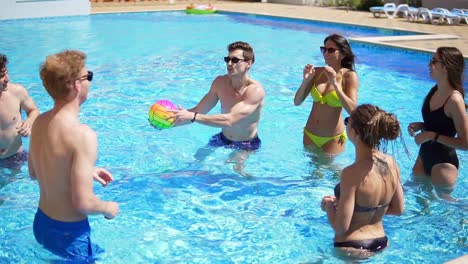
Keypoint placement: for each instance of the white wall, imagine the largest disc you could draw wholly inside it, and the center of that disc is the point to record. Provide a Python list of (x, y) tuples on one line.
[(12, 9)]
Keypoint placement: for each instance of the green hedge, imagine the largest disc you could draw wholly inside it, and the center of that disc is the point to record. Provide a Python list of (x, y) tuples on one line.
[(365, 4)]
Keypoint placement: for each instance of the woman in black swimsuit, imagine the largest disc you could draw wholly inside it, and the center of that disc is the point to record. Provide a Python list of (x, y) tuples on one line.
[(370, 187), (445, 126)]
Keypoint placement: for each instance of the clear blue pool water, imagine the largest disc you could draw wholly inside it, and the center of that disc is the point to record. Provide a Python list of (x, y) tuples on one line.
[(177, 210)]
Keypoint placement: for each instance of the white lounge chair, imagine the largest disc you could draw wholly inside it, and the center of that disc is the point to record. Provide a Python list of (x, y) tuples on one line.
[(406, 11), (463, 14), (386, 9), (391, 10), (436, 16)]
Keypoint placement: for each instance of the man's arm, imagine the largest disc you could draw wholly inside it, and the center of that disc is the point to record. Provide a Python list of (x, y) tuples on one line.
[(83, 160), (28, 105), (184, 116), (252, 100)]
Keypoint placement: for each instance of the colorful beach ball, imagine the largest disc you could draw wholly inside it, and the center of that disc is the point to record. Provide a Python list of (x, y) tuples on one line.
[(158, 114)]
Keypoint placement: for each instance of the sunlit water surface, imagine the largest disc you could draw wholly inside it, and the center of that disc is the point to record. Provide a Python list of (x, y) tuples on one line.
[(177, 210)]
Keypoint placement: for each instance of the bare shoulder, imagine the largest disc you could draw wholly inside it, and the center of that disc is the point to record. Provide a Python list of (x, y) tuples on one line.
[(86, 132), (350, 77), (80, 135), (354, 174), (220, 80), (257, 86), (455, 102), (18, 89), (390, 161), (456, 98), (256, 91), (348, 174), (350, 74)]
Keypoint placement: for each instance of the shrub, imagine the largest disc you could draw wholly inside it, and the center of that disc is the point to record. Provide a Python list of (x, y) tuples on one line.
[(366, 4)]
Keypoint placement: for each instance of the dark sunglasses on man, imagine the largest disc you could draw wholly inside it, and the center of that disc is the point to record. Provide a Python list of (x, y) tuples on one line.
[(88, 76), (233, 59)]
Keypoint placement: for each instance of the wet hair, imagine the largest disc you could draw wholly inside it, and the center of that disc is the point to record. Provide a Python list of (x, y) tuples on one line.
[(374, 126), (3, 62), (60, 70), (248, 52), (345, 48), (453, 60)]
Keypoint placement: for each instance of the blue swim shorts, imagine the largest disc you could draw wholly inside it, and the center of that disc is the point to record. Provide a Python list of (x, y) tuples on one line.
[(70, 240), (219, 140), (14, 162)]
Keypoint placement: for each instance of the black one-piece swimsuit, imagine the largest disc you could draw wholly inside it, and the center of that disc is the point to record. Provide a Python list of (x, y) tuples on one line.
[(433, 153)]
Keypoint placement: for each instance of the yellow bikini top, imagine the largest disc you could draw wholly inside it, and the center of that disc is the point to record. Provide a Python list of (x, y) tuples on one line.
[(330, 98)]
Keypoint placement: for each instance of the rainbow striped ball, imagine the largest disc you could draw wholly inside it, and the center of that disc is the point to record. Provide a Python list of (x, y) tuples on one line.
[(158, 114)]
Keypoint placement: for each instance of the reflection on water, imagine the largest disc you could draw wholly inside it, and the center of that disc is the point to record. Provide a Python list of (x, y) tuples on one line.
[(322, 166), (176, 207), (8, 176)]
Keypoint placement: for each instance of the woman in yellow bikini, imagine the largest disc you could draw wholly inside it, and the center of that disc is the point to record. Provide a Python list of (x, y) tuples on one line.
[(332, 88)]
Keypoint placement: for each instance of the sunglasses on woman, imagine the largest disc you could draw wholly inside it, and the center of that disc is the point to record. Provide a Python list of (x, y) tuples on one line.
[(329, 50), (233, 59)]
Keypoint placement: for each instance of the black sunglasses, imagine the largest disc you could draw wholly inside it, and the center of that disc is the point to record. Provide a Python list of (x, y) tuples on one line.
[(346, 121), (329, 50), (233, 59), (88, 76)]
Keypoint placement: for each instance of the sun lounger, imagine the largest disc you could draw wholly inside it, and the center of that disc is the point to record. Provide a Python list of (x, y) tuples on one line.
[(406, 11), (391, 10), (463, 14), (386, 9), (437, 16)]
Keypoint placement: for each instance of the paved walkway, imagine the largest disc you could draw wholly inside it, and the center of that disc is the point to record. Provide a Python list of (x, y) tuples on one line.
[(436, 35)]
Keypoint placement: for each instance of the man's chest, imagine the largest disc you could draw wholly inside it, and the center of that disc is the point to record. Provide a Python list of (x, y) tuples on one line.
[(9, 111)]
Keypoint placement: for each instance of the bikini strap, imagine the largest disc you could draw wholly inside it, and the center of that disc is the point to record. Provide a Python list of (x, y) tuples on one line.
[(318, 77)]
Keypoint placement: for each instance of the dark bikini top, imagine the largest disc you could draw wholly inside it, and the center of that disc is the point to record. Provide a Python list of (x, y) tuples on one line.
[(357, 207), (436, 120)]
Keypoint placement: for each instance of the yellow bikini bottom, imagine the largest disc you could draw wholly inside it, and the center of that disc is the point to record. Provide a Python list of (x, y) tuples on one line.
[(320, 141)]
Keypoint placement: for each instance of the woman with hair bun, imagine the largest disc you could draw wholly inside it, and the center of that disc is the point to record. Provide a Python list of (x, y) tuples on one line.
[(370, 187), (445, 126)]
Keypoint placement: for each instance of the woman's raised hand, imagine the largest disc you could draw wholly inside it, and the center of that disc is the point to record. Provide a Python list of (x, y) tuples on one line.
[(331, 74), (309, 72)]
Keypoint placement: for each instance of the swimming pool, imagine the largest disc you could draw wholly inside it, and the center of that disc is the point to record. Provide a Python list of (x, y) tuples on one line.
[(177, 210)]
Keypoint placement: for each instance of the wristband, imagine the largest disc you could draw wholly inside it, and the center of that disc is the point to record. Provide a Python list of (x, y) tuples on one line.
[(194, 117)]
